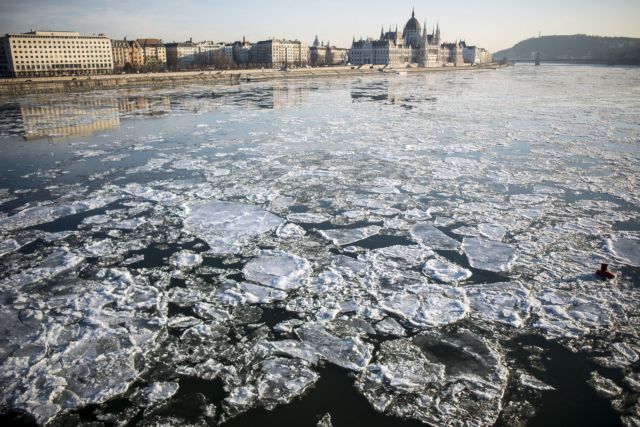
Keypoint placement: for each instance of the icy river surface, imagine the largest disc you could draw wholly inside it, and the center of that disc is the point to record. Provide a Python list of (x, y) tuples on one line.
[(380, 251)]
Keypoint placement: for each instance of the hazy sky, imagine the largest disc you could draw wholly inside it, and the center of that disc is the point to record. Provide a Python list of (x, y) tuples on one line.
[(495, 24)]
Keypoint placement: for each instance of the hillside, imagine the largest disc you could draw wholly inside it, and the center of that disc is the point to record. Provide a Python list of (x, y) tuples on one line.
[(576, 48)]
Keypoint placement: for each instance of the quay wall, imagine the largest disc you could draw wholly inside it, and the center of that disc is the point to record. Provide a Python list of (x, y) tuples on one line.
[(41, 85)]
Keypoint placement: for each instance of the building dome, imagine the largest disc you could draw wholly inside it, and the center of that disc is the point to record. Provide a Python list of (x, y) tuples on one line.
[(412, 30), (413, 25)]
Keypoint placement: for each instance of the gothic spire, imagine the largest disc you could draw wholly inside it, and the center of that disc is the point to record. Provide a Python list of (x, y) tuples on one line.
[(413, 12)]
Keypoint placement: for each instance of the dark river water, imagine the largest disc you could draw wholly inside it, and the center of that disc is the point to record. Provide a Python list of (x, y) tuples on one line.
[(379, 251)]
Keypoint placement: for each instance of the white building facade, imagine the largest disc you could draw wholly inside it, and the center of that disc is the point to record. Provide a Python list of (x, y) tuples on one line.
[(55, 53), (476, 55), (414, 46), (276, 53)]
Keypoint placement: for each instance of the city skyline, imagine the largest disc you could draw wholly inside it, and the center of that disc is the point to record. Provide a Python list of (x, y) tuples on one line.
[(496, 25)]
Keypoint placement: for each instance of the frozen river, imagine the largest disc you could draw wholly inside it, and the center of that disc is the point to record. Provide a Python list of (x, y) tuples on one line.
[(379, 251)]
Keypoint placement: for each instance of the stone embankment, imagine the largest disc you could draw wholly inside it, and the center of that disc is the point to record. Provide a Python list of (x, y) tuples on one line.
[(38, 85)]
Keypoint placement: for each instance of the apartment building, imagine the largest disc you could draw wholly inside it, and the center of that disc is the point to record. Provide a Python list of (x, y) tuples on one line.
[(55, 53), (154, 53), (276, 53)]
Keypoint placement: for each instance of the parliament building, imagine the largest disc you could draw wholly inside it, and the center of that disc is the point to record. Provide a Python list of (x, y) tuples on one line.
[(412, 46)]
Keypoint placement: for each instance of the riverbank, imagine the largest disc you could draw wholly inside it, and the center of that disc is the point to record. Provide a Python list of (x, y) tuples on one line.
[(42, 85)]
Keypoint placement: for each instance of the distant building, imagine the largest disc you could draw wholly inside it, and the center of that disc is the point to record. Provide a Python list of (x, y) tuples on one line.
[(476, 55), (395, 49), (154, 53), (202, 55), (321, 54), (414, 46), (120, 50), (181, 56), (276, 53), (453, 53), (241, 52), (137, 55), (55, 53), (127, 55)]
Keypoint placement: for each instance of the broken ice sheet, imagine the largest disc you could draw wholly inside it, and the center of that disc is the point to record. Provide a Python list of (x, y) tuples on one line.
[(158, 392), (308, 218), (627, 249), (227, 226), (276, 381), (532, 382), (488, 255), (578, 312), (431, 237), (445, 271), (278, 270), (493, 231), (185, 259), (425, 305), (235, 293), (57, 262), (46, 213), (346, 236), (509, 303), (350, 353), (8, 246), (453, 378), (603, 386)]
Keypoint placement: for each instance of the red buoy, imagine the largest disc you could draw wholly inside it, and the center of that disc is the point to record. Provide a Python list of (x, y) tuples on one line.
[(605, 273)]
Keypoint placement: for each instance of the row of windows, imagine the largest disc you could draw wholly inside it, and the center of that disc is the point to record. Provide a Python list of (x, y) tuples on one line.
[(29, 42), (56, 62), (61, 66), (61, 56)]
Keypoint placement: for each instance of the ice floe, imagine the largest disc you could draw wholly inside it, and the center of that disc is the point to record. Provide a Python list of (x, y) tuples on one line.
[(628, 250), (488, 255), (226, 226), (278, 270), (346, 236), (433, 238), (509, 303), (532, 382), (425, 305), (440, 379), (185, 259), (445, 271)]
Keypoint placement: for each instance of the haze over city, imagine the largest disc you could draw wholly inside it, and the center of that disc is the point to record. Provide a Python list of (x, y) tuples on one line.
[(495, 24)]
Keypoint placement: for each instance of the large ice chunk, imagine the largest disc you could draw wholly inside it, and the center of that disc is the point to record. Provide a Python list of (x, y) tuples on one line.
[(345, 236), (283, 379), (46, 213), (508, 303), (628, 250), (59, 261), (427, 305), (278, 270), (185, 260), (488, 255), (226, 226), (584, 309), (350, 353), (431, 237), (453, 378), (445, 271)]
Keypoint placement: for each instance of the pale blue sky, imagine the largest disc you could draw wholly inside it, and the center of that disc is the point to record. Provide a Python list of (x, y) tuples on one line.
[(495, 24)]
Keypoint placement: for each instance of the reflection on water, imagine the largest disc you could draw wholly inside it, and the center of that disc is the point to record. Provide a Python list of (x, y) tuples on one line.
[(391, 91), (83, 117), (56, 117)]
